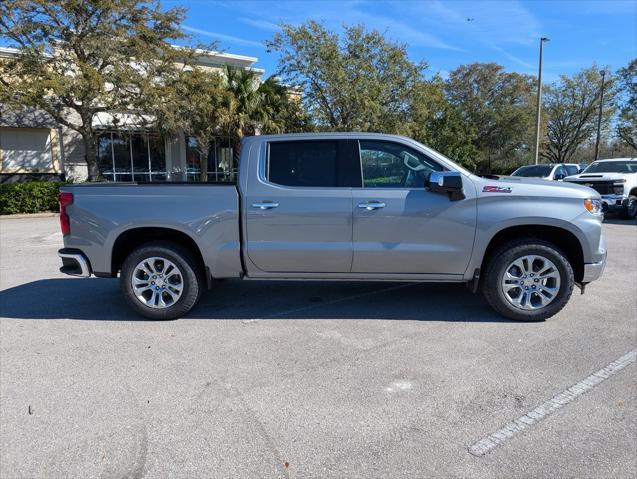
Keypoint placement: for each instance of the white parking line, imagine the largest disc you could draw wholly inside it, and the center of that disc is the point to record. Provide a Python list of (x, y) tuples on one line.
[(531, 418)]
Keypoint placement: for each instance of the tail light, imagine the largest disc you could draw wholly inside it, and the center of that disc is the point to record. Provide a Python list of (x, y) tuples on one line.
[(65, 199)]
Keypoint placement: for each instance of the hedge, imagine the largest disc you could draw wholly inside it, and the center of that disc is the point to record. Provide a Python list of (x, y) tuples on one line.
[(29, 197)]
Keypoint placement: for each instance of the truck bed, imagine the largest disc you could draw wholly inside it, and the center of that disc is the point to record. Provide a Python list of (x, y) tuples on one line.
[(103, 214)]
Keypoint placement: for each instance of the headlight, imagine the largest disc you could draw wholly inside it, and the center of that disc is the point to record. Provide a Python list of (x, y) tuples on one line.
[(618, 188), (593, 206)]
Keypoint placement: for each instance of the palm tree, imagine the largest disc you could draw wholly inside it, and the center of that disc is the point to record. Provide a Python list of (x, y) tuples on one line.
[(252, 106)]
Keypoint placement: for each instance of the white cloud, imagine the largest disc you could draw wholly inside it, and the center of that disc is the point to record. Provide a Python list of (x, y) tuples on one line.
[(337, 13), (261, 24), (223, 37)]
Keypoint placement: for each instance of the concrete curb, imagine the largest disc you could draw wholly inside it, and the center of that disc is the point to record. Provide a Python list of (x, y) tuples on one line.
[(27, 216)]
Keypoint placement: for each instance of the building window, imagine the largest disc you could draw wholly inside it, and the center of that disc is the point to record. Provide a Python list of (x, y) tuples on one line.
[(220, 162), (131, 156)]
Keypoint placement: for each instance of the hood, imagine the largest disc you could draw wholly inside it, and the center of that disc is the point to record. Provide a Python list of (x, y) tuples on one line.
[(583, 177), (522, 186)]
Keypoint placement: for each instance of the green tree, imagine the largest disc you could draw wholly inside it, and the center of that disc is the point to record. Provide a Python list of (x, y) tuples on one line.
[(193, 101), (496, 109), (571, 105), (434, 121), (284, 106), (627, 122), (75, 58), (358, 81), (254, 106)]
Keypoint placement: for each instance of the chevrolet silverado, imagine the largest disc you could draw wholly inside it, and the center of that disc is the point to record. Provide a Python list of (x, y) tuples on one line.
[(338, 206)]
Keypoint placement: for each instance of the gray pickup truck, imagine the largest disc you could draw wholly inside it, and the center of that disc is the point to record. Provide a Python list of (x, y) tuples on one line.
[(342, 206)]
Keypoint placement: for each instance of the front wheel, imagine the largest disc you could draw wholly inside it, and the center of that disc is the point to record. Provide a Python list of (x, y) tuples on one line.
[(630, 210), (527, 280), (161, 280)]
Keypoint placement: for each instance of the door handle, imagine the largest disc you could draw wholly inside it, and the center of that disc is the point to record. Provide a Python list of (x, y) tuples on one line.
[(265, 205), (371, 205)]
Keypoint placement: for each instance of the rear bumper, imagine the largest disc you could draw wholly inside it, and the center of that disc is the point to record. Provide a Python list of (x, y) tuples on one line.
[(74, 262)]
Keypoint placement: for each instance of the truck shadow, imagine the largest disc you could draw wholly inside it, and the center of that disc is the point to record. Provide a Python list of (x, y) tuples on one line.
[(100, 300), (617, 220)]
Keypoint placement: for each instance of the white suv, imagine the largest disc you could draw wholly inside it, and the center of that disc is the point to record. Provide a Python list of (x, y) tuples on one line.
[(615, 180), (548, 171)]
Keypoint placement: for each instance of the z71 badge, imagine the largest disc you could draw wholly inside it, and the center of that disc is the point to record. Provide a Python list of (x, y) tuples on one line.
[(496, 189)]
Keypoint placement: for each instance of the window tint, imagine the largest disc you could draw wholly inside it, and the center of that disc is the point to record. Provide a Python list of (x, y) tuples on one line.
[(303, 163), (560, 172), (534, 171), (571, 169), (612, 167), (392, 165)]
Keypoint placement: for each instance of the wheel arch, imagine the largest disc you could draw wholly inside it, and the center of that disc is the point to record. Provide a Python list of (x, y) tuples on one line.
[(130, 239), (562, 238)]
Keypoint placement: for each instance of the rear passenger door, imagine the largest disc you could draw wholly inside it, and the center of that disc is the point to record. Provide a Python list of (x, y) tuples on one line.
[(299, 210)]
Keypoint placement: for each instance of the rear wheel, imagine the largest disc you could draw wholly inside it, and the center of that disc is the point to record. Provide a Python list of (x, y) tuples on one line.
[(528, 280), (161, 280), (630, 210)]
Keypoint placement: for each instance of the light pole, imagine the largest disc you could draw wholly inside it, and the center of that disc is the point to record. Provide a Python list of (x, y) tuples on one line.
[(599, 116), (539, 102)]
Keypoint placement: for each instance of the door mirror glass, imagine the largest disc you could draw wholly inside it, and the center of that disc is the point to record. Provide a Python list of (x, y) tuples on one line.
[(446, 182)]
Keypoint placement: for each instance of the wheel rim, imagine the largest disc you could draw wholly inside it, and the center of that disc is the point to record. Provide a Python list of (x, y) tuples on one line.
[(157, 282), (632, 207), (531, 282)]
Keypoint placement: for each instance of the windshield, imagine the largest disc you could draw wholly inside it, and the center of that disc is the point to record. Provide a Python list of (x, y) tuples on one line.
[(612, 167), (536, 171)]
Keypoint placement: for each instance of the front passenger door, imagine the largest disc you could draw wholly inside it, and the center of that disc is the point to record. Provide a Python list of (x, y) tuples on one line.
[(399, 227)]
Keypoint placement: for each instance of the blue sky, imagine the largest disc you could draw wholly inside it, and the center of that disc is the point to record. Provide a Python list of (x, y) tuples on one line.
[(443, 33)]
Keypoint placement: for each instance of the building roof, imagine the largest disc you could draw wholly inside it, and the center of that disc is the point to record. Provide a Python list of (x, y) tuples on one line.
[(208, 57)]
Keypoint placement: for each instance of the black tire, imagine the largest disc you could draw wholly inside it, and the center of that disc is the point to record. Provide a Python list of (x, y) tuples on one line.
[(191, 274), (630, 209), (503, 256)]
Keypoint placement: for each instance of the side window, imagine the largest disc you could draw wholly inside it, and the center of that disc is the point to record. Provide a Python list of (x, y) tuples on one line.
[(571, 170), (303, 163), (560, 172), (392, 165)]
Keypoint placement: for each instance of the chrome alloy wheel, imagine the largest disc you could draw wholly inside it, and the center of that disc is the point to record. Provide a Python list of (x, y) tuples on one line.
[(531, 282), (157, 282)]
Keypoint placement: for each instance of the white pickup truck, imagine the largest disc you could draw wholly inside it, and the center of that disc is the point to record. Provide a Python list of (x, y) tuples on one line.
[(615, 180)]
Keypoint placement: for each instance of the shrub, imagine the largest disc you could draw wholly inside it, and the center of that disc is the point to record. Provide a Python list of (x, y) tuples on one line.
[(29, 197)]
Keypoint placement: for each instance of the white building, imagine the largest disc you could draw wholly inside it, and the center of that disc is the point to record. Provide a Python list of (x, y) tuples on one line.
[(33, 145)]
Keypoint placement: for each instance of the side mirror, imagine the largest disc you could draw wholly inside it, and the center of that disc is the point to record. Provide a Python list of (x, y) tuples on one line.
[(559, 177), (449, 182)]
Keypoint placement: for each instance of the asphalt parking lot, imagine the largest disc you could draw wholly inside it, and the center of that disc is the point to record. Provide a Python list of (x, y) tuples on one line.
[(309, 379)]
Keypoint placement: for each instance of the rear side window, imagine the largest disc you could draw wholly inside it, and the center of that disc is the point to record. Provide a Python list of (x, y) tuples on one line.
[(318, 163), (571, 170)]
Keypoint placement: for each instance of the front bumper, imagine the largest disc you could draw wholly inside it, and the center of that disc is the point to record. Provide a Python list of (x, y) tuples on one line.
[(593, 271), (613, 202), (74, 263), (595, 268)]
